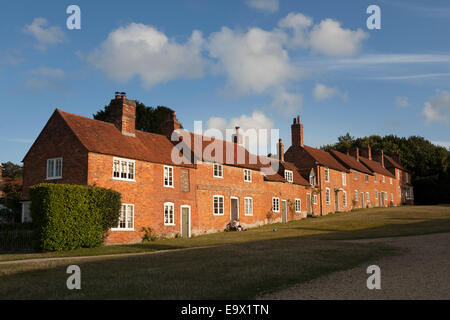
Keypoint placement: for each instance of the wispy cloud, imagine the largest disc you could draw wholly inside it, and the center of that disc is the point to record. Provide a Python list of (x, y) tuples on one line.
[(44, 34), (18, 140), (412, 76)]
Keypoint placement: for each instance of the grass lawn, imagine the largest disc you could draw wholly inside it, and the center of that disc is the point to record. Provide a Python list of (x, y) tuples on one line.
[(234, 265)]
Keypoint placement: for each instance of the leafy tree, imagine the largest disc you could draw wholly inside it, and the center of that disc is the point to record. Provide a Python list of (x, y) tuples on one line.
[(428, 164), (148, 119), (11, 170)]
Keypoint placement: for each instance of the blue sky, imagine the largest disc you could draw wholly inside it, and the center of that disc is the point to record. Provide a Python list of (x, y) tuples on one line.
[(255, 63)]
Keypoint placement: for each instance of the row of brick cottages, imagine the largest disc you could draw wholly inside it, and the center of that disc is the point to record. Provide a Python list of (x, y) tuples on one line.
[(203, 195)]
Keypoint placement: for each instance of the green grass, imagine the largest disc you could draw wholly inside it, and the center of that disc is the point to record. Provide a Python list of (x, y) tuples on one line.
[(234, 265)]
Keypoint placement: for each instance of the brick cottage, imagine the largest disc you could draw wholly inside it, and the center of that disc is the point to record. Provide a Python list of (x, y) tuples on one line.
[(208, 188)]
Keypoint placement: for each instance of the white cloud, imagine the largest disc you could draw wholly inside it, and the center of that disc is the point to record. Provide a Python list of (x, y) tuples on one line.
[(142, 50), (331, 39), (401, 101), (287, 103), (322, 92), (254, 61), (299, 23), (46, 78), (48, 72), (256, 121), (270, 6), (437, 108), (44, 34)]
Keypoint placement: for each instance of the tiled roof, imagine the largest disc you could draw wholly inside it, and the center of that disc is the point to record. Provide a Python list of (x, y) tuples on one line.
[(103, 137), (389, 162), (350, 162), (375, 166), (325, 158)]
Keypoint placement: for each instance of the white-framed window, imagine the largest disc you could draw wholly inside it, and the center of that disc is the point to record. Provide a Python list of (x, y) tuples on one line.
[(169, 214), (248, 206), (298, 205), (217, 170), (123, 169), (327, 174), (392, 197), (327, 196), (399, 191), (398, 174), (289, 175), (344, 198), (385, 196), (54, 168), (218, 205), (376, 195), (126, 218), (344, 179), (168, 176), (384, 179), (367, 178), (367, 196), (356, 195), (355, 175), (390, 180), (312, 178), (247, 175), (407, 178), (275, 204), (315, 199), (375, 176)]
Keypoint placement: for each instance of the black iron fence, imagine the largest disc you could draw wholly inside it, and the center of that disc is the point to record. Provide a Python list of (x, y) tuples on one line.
[(16, 240)]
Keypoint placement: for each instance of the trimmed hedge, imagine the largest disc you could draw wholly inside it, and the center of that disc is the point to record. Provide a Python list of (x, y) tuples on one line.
[(67, 217)]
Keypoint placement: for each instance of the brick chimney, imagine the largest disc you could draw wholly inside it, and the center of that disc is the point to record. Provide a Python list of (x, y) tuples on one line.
[(379, 156), (367, 152), (170, 125), (280, 148), (123, 114), (297, 132), (237, 137), (354, 152)]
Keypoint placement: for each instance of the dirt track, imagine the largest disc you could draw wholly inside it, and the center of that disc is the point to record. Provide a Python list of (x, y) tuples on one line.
[(423, 272)]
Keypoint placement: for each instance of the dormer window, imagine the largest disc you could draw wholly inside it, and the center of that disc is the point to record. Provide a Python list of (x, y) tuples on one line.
[(327, 174), (218, 170), (344, 179), (288, 175), (168, 176)]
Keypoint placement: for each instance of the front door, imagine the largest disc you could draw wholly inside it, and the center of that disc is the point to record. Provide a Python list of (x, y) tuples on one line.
[(309, 203), (336, 201), (284, 211), (234, 207), (185, 221), (362, 199)]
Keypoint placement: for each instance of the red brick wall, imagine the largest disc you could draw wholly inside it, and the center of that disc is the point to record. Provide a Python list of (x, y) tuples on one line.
[(147, 194), (56, 140), (233, 185)]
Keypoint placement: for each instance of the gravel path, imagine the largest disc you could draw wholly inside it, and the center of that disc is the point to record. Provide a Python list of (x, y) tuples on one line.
[(423, 272)]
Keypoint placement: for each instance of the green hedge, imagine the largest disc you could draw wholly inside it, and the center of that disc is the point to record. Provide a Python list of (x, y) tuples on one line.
[(67, 217)]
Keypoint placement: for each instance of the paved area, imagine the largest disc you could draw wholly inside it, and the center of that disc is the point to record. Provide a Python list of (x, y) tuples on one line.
[(423, 272)]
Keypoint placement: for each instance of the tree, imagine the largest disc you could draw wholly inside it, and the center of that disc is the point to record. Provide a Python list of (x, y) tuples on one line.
[(11, 170), (148, 119), (428, 164)]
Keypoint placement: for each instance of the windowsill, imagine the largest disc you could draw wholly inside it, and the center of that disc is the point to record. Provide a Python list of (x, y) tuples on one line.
[(248, 181), (123, 179), (54, 178), (220, 177), (169, 224), (169, 186), (248, 215), (218, 214), (122, 229)]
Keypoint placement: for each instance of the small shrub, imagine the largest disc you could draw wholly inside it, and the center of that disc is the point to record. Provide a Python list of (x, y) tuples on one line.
[(149, 235)]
